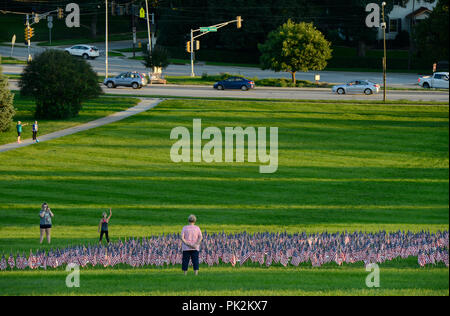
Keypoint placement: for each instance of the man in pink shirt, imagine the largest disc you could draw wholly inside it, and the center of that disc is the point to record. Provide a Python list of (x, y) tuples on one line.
[(191, 236)]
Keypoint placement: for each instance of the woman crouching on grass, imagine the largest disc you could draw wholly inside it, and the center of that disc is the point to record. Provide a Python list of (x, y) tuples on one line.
[(191, 236), (103, 226), (45, 222)]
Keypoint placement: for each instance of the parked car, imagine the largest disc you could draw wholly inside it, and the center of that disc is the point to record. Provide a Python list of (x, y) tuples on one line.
[(133, 79), (437, 80), (357, 87), (235, 83), (85, 51)]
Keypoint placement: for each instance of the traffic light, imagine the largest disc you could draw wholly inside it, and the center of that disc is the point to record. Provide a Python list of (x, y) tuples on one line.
[(29, 33), (60, 13), (239, 22), (26, 34), (188, 47), (197, 45)]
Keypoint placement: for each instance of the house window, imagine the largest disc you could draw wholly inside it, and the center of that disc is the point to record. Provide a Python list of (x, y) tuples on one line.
[(393, 25)]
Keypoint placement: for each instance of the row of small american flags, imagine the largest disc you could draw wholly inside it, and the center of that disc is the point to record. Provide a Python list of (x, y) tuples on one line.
[(238, 249)]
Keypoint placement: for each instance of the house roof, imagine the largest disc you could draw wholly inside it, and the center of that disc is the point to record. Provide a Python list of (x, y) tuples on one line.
[(418, 12)]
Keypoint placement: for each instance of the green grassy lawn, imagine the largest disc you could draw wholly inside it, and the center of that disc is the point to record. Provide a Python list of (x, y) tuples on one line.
[(351, 166), (247, 280), (92, 110), (11, 60), (115, 54)]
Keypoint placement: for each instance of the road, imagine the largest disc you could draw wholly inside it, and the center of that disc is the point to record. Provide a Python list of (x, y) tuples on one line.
[(268, 93), (275, 93), (120, 64)]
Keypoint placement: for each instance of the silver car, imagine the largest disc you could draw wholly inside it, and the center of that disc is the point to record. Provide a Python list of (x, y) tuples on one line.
[(133, 79), (357, 87)]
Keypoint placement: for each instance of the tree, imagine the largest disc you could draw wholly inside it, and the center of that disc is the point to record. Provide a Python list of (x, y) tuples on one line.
[(59, 83), (158, 58), (431, 35), (295, 47), (7, 111)]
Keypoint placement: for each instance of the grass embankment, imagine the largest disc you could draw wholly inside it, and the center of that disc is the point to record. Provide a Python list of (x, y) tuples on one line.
[(351, 166), (92, 110), (230, 281)]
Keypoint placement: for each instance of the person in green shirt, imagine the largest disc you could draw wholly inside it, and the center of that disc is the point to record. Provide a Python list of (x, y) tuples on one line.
[(19, 130)]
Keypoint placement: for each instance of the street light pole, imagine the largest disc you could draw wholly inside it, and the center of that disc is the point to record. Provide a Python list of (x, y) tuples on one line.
[(383, 25), (106, 39)]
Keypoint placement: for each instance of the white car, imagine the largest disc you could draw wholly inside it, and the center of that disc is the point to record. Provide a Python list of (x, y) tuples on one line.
[(85, 51), (437, 80)]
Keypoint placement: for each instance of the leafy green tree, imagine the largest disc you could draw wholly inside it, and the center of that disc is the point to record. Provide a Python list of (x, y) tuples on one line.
[(431, 35), (6, 103), (59, 83), (295, 47), (158, 58)]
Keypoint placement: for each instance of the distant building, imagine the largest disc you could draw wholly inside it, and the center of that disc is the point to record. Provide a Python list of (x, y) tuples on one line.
[(401, 18)]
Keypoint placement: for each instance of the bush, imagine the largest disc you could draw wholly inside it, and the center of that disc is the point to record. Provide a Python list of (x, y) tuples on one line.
[(59, 83), (402, 39), (6, 103)]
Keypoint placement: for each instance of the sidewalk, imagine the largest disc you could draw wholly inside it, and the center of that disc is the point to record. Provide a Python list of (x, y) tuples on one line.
[(143, 106)]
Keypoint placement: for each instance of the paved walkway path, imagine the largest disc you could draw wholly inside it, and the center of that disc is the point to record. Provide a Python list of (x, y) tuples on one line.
[(143, 106)]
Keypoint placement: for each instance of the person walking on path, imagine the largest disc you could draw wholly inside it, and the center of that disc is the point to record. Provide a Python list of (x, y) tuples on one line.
[(19, 127), (45, 222), (191, 236), (35, 131), (103, 226)]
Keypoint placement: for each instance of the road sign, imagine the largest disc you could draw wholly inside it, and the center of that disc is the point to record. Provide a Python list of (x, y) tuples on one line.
[(50, 25), (50, 18), (208, 29)]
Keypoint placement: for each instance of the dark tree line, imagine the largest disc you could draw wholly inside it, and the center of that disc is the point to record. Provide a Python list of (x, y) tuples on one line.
[(177, 17)]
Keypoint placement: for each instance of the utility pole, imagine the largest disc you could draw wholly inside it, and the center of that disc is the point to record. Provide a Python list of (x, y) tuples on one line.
[(106, 39), (133, 27), (148, 30), (383, 26)]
